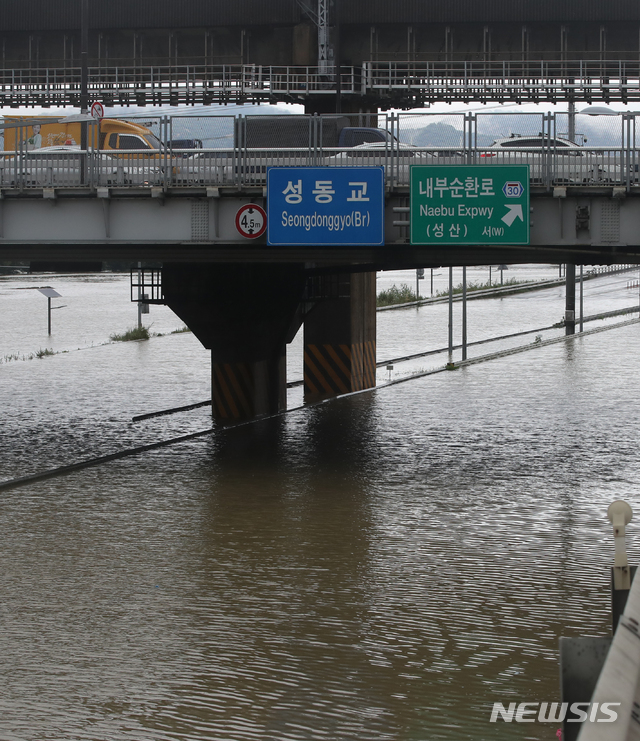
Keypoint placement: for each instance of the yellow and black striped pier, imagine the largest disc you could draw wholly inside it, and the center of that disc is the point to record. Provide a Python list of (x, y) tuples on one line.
[(340, 340)]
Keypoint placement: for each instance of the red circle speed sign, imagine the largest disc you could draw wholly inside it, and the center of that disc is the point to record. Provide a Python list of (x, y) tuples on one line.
[(97, 111), (251, 221)]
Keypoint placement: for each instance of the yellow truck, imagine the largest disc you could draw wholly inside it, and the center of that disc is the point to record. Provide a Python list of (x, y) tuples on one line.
[(48, 131)]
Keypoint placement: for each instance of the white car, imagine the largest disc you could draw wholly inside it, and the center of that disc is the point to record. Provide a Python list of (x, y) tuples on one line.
[(211, 167), (396, 158), (62, 166), (551, 159), (380, 153)]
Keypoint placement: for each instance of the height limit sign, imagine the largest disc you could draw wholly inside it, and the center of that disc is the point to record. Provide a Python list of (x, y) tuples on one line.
[(251, 221), (469, 204)]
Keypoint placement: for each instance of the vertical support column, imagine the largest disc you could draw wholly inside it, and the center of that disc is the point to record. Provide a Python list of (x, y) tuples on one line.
[(464, 313), (243, 387), (245, 314), (340, 338), (570, 300)]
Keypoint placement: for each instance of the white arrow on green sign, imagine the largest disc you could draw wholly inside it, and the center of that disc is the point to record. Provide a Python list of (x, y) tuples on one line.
[(470, 204)]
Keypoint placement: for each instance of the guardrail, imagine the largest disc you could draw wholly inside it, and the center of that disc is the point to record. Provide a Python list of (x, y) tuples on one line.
[(247, 168), (613, 705), (463, 139)]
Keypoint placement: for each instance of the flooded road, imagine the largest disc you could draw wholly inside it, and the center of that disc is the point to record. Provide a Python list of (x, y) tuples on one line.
[(383, 566)]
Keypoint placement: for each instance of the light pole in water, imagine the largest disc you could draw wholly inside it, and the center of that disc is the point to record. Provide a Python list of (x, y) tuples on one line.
[(451, 314), (581, 298), (464, 313), (49, 293)]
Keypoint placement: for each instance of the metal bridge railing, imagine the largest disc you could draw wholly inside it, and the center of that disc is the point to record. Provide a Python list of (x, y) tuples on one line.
[(221, 157), (518, 80), (248, 168), (173, 83), (445, 79)]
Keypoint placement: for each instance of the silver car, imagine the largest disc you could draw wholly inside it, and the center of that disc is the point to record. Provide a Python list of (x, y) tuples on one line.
[(551, 159), (67, 165), (396, 158)]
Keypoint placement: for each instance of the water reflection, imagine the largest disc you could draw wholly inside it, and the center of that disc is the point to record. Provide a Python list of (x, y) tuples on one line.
[(381, 567)]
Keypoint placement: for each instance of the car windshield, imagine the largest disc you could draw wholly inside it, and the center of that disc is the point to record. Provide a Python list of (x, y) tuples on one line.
[(153, 141)]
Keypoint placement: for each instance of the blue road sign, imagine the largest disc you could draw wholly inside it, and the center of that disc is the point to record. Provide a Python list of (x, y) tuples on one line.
[(325, 206)]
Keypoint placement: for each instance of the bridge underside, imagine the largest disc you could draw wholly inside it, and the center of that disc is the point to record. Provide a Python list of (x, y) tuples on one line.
[(390, 55), (37, 33), (585, 225)]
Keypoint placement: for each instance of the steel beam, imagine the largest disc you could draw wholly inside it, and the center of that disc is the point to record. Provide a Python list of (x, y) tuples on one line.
[(586, 226)]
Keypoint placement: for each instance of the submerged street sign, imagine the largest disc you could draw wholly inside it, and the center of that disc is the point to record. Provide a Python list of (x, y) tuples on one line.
[(325, 206), (470, 204)]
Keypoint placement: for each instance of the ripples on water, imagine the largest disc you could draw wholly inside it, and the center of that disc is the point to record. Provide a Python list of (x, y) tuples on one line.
[(381, 567)]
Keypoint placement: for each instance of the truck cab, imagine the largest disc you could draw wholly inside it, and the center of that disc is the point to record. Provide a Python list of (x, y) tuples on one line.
[(122, 135)]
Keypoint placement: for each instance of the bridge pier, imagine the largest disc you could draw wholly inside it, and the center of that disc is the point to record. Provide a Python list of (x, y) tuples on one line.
[(570, 299), (340, 335), (245, 314)]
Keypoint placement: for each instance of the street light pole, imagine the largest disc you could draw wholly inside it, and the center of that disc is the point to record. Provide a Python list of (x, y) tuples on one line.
[(84, 57), (570, 299), (84, 84)]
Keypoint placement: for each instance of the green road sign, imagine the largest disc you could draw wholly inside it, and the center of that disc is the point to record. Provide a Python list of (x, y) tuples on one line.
[(470, 204)]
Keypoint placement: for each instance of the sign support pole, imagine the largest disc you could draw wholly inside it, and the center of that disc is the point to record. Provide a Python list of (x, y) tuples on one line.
[(581, 298), (139, 295), (464, 313), (49, 293), (450, 314)]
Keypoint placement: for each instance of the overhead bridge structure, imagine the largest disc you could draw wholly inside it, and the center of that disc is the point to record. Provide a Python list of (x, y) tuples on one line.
[(354, 54), (382, 84)]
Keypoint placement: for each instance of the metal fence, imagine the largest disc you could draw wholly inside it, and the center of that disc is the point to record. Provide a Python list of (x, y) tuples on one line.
[(173, 84), (517, 80), (445, 79), (200, 151)]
